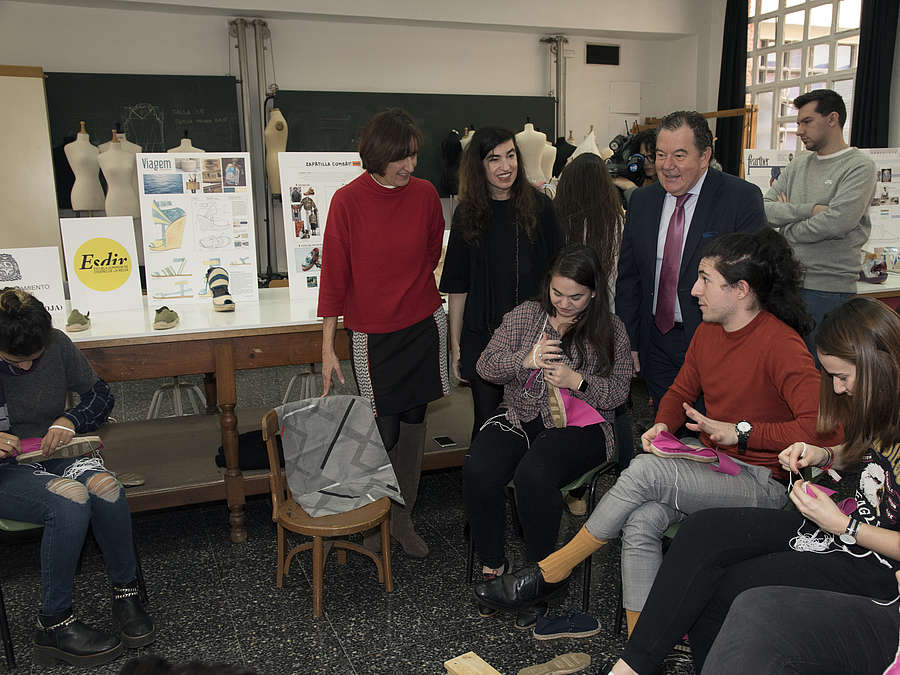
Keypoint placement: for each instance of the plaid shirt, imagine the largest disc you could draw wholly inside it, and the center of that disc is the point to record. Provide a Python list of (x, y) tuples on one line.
[(501, 363)]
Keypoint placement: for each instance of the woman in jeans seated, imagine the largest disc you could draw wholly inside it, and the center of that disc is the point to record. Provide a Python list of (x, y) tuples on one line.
[(566, 340), (38, 367), (852, 549)]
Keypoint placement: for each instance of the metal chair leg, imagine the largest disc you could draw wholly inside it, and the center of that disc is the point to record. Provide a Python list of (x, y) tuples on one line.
[(5, 635), (142, 587)]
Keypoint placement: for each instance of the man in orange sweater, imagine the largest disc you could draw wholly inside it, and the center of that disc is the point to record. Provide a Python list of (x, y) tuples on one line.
[(761, 388)]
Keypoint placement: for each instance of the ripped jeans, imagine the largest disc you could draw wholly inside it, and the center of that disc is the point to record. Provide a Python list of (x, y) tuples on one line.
[(36, 493)]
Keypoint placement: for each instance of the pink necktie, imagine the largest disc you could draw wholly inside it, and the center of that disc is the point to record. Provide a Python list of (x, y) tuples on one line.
[(668, 273)]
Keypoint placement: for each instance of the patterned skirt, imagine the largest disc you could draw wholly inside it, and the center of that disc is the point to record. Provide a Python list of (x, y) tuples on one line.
[(404, 369)]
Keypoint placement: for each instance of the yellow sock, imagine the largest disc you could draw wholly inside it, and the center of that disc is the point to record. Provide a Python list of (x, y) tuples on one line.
[(557, 566), (631, 619)]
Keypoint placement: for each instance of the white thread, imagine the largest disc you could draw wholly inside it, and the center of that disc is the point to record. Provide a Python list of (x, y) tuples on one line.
[(495, 421), (82, 465), (676, 487), (810, 543), (886, 603)]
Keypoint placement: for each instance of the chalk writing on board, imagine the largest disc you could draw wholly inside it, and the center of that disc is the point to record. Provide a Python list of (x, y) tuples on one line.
[(143, 124)]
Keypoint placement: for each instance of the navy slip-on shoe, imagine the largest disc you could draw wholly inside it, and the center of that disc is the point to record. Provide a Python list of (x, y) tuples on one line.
[(570, 626)]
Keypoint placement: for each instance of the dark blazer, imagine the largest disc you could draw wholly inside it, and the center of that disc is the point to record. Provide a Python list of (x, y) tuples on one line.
[(726, 204)]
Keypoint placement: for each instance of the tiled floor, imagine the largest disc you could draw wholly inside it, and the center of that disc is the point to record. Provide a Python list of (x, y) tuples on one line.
[(217, 601)]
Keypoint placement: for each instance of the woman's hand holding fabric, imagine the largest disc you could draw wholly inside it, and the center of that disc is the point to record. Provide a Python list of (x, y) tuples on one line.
[(819, 508), (798, 456), (561, 376), (544, 354), (56, 436), (9, 445)]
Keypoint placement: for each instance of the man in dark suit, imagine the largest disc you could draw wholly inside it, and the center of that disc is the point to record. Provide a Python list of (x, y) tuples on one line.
[(667, 225)]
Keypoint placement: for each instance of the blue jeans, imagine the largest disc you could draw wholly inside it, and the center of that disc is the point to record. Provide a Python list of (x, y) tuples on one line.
[(28, 496), (819, 303)]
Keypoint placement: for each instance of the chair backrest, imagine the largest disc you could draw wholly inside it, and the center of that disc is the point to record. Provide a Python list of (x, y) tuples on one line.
[(277, 483)]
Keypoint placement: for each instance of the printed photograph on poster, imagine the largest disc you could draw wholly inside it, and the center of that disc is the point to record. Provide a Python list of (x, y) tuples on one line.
[(196, 213), (884, 211), (101, 263), (763, 167), (308, 183), (36, 270)]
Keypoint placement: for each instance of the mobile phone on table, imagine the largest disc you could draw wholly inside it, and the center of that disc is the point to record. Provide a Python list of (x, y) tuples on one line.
[(444, 441)]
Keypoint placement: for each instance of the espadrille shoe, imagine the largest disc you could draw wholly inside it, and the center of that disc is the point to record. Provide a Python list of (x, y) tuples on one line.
[(217, 279)]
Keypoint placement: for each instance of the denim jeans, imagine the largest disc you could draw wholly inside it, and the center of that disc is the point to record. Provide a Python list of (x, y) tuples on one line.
[(819, 303), (27, 497)]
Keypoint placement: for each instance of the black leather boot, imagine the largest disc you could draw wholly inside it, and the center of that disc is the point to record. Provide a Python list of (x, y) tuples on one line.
[(65, 638), (129, 617)]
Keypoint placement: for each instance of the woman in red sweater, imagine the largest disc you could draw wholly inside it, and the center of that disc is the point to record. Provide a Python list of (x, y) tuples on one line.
[(381, 245)]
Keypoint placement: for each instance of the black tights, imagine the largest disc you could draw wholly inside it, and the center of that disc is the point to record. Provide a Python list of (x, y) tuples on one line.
[(389, 425)]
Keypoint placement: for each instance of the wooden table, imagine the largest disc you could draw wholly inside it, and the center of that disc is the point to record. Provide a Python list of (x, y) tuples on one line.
[(888, 292), (275, 332)]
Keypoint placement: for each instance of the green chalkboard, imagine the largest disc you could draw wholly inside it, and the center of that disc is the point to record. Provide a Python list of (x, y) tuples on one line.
[(332, 120), (154, 111)]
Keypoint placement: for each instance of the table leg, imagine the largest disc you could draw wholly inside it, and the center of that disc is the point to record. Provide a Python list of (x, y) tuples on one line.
[(234, 480), (209, 387)]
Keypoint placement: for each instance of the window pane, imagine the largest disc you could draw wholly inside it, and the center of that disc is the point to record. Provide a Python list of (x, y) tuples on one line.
[(790, 64), (767, 6), (751, 45), (787, 136), (764, 120), (751, 7), (767, 66), (791, 3), (812, 86), (848, 14), (786, 98), (793, 26), (845, 89), (819, 21), (817, 59), (846, 53), (766, 33)]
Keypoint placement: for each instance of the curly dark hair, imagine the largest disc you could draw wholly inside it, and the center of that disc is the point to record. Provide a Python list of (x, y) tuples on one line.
[(589, 209), (582, 265), (866, 333), (766, 262), (25, 323), (474, 207)]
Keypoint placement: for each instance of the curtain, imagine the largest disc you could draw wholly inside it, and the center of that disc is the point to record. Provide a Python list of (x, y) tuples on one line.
[(732, 85), (871, 95)]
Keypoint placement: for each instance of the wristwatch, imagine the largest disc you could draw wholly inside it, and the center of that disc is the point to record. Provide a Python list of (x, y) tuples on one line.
[(743, 429), (583, 386), (848, 536)]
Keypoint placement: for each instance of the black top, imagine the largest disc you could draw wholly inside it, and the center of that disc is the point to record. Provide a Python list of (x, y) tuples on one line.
[(486, 270)]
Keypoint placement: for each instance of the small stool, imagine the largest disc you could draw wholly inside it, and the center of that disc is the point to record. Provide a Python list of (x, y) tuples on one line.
[(307, 384), (195, 399)]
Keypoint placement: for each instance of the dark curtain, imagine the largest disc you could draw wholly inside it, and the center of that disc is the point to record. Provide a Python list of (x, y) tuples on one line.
[(732, 85), (871, 95)]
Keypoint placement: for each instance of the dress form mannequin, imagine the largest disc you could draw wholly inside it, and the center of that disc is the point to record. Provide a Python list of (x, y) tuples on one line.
[(124, 144), (120, 169), (531, 145), (87, 193), (275, 134), (548, 156), (466, 137), (185, 146), (589, 144)]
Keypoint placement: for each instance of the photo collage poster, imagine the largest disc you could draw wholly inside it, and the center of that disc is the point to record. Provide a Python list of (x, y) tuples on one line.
[(308, 183), (762, 168), (197, 213), (37, 271)]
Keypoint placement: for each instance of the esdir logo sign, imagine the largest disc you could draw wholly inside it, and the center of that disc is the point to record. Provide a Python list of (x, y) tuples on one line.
[(102, 264)]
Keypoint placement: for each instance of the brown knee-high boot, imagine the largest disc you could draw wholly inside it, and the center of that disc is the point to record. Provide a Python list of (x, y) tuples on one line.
[(407, 460)]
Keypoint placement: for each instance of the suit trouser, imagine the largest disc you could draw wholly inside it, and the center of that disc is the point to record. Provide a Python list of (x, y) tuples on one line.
[(654, 493), (662, 360)]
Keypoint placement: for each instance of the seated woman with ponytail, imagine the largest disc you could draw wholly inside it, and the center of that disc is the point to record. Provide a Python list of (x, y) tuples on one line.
[(761, 390)]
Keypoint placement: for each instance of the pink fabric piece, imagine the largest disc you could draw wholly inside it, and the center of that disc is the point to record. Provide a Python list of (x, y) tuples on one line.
[(668, 272), (848, 506), (29, 445), (579, 413), (668, 442), (828, 491)]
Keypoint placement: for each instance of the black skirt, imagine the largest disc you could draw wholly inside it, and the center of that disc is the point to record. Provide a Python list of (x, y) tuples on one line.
[(404, 369)]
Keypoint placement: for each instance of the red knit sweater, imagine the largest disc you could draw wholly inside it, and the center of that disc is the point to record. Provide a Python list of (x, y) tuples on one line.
[(762, 373), (380, 248)]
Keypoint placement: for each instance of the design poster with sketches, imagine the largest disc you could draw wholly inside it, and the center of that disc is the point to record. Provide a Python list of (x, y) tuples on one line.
[(762, 167), (308, 182), (197, 213)]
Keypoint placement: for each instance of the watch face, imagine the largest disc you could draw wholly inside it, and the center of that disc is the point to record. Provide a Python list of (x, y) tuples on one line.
[(744, 427), (847, 538)]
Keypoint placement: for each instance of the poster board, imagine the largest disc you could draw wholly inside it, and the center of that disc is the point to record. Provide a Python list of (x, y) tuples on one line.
[(196, 213), (101, 263), (37, 271), (308, 183)]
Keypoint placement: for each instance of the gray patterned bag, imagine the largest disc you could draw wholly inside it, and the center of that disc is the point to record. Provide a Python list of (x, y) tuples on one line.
[(334, 459)]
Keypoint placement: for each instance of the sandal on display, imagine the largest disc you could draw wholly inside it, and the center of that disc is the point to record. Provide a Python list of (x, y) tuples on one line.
[(217, 280), (78, 321), (172, 270), (182, 292), (172, 222), (165, 318)]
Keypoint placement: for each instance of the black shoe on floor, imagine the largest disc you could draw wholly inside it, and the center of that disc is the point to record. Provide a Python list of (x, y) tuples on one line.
[(483, 610), (129, 617), (518, 590), (73, 642), (527, 618)]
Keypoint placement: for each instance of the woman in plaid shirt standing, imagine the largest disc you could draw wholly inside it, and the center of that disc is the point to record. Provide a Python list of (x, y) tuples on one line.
[(566, 341)]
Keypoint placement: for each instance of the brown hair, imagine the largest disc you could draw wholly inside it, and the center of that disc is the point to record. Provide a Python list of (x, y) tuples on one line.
[(474, 195), (388, 137), (865, 333), (25, 323)]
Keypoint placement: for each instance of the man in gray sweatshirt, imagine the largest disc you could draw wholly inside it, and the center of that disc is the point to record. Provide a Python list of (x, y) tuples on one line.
[(820, 202)]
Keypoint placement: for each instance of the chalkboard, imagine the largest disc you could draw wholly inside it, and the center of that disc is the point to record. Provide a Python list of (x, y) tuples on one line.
[(154, 111), (333, 120)]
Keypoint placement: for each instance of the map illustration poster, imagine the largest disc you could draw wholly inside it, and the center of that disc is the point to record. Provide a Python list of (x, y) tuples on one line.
[(196, 213)]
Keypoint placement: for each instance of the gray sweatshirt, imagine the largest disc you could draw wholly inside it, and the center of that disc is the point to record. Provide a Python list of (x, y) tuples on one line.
[(828, 243)]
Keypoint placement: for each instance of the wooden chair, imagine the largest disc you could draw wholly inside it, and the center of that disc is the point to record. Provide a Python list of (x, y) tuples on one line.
[(289, 515)]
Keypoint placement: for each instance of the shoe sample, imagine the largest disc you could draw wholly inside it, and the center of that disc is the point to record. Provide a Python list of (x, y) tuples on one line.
[(79, 446), (667, 445), (171, 221), (75, 643), (577, 505), (573, 662), (557, 406), (217, 280), (130, 479), (527, 618), (521, 589), (312, 260), (78, 321), (130, 619), (570, 626), (165, 318)]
